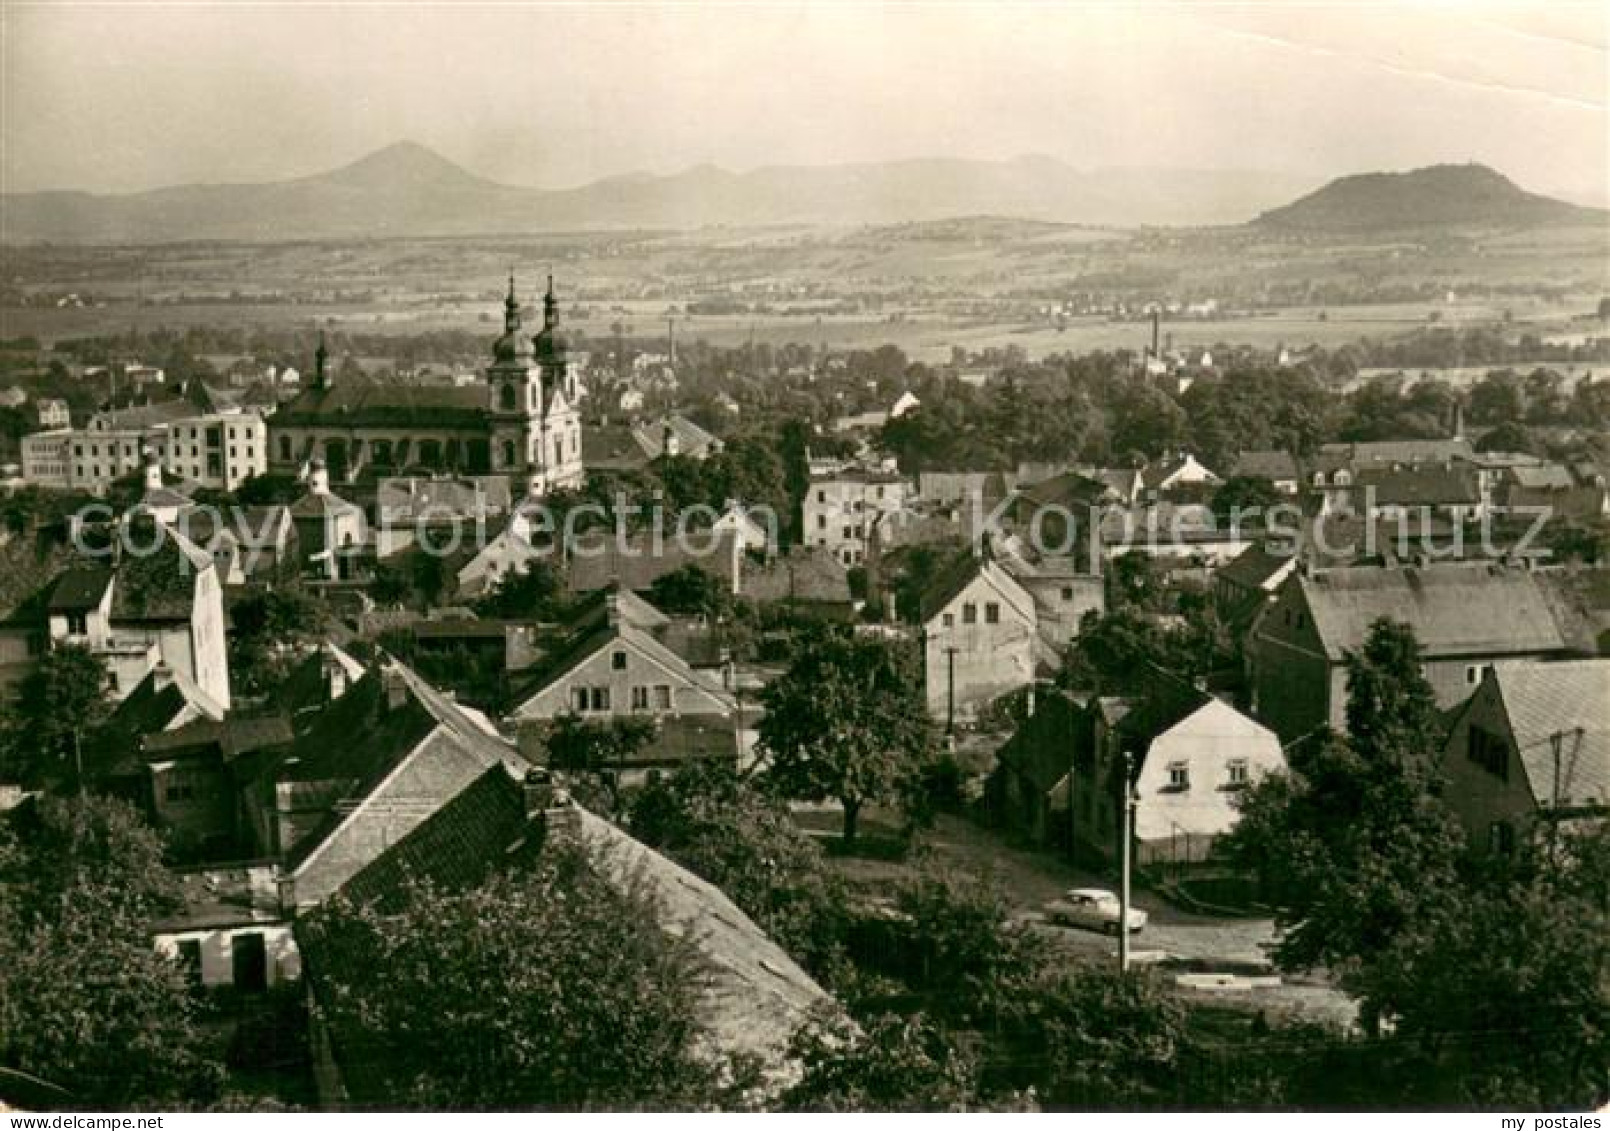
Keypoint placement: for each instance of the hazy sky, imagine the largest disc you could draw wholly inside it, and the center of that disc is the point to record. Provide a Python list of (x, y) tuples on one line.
[(130, 96)]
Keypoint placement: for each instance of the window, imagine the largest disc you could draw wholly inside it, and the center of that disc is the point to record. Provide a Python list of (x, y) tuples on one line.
[(821, 522), (1067, 592), (1179, 775), (849, 532), (662, 697), (578, 699), (639, 698), (969, 613), (77, 624), (992, 613), (821, 496), (950, 620), (600, 698), (1473, 673), (1238, 772), (617, 661), (285, 448), (506, 398), (1488, 751), (179, 791)]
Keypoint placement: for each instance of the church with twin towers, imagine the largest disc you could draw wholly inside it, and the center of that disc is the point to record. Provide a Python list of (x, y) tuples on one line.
[(522, 421)]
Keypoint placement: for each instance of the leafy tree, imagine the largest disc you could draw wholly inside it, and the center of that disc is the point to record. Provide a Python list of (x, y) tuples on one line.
[(1123, 649), (545, 987), (1352, 843), (60, 706), (892, 1063), (690, 589), (533, 593), (389, 585), (1497, 398), (846, 721), (719, 825), (271, 630), (1492, 975), (1510, 437), (88, 1004), (1252, 499), (269, 490), (597, 749)]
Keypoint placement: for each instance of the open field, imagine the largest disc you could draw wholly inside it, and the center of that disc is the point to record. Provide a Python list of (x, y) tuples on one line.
[(926, 287)]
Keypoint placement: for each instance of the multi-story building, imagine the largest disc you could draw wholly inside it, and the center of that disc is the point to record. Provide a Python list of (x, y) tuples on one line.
[(522, 421), (47, 458), (842, 505), (220, 450)]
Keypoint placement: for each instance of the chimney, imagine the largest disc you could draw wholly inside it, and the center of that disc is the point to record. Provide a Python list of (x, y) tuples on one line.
[(547, 802), (335, 675), (318, 478), (612, 609), (161, 677), (396, 688)]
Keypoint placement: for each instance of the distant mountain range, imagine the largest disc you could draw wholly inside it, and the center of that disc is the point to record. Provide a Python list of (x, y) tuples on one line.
[(408, 190), (1438, 196)]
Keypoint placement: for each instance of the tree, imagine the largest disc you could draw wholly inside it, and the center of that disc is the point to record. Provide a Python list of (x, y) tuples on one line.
[(545, 987), (61, 704), (890, 1064), (1495, 973), (86, 1003), (1497, 398), (389, 585), (846, 721), (690, 589), (1242, 498), (597, 749), (533, 593), (1352, 843), (719, 825), (272, 630)]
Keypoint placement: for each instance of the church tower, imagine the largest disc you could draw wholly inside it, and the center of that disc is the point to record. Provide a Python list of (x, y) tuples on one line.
[(515, 392)]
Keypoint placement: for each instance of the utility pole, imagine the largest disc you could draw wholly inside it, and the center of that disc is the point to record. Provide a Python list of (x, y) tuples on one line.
[(950, 689), (1126, 826)]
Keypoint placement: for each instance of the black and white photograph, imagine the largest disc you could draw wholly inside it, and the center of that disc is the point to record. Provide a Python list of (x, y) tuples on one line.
[(804, 557)]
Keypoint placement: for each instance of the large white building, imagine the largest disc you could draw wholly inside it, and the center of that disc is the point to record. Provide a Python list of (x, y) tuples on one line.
[(47, 458), (841, 506), (221, 450)]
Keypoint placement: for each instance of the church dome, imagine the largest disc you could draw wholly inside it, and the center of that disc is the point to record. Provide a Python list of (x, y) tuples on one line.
[(550, 343), (512, 348)]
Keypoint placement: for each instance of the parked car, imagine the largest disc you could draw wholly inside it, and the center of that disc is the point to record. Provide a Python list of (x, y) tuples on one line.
[(1095, 908)]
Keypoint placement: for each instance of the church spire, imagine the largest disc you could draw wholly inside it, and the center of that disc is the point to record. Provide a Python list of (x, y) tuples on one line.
[(550, 307), (511, 308)]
